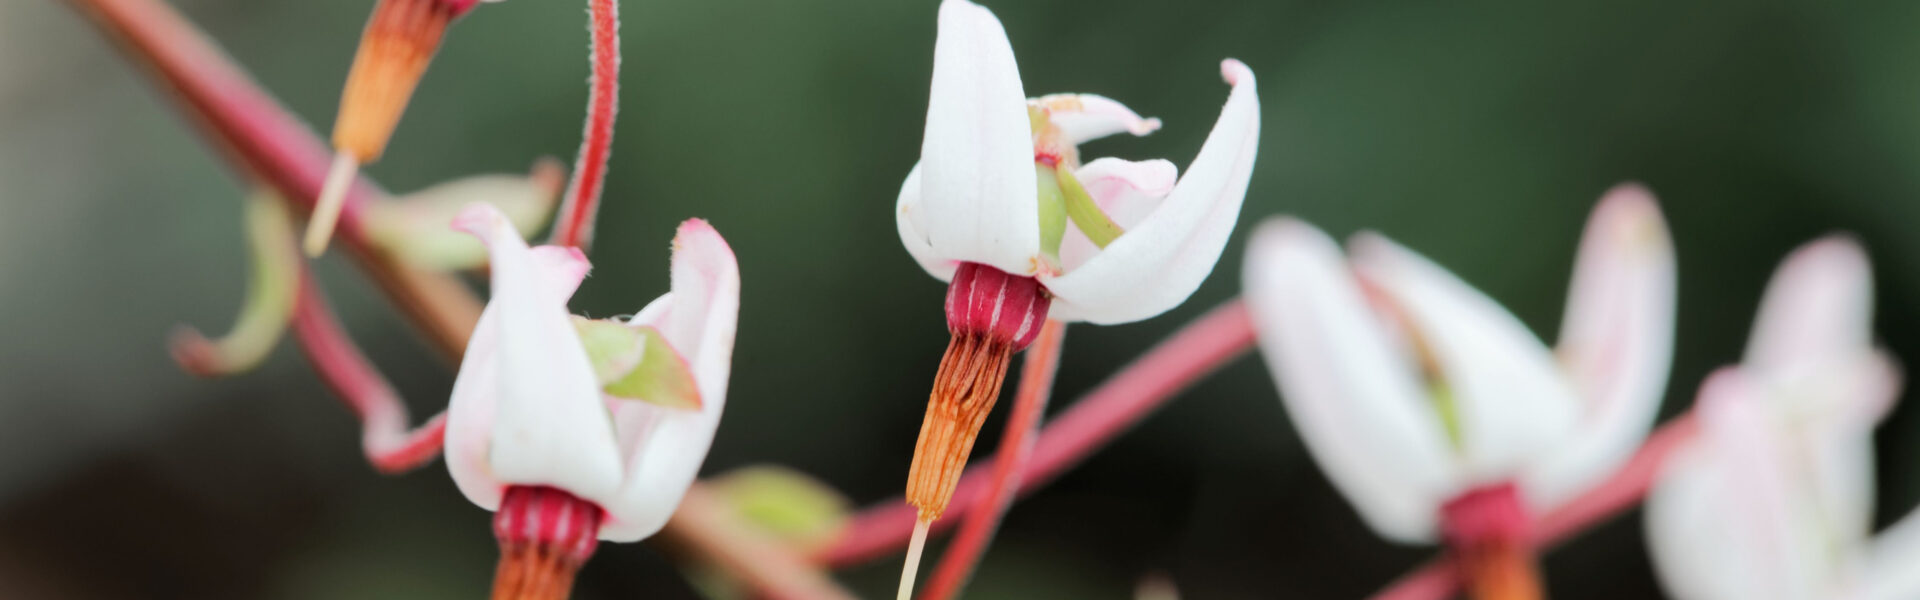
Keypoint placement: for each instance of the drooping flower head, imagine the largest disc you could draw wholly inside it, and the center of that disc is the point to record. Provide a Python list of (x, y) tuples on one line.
[(1774, 499), (609, 418), (1003, 207)]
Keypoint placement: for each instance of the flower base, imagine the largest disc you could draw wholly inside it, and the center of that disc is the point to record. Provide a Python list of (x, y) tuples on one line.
[(545, 536)]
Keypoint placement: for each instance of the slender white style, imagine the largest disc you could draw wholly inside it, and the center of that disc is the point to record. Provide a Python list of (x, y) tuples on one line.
[(1410, 387), (1774, 499), (973, 198), (528, 409)]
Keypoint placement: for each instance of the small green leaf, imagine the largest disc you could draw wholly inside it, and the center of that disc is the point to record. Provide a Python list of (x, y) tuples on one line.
[(1053, 213), (662, 376), (613, 347), (791, 506), (1086, 214)]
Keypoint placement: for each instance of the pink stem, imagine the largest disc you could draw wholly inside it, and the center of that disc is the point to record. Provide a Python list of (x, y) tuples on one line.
[(1016, 448), (273, 147), (383, 418), (1439, 578), (575, 227), (1124, 400)]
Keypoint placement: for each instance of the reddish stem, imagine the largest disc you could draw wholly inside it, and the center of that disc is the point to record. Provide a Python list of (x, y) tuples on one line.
[(1438, 578), (383, 417), (575, 227), (1016, 448), (272, 146), (1124, 400)]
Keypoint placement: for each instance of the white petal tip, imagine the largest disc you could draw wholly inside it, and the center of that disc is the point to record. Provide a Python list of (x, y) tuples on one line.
[(479, 219), (1235, 72), (1144, 126)]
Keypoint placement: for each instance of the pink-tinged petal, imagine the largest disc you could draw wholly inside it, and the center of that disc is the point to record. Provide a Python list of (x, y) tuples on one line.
[(665, 447), (548, 423), (977, 198), (1818, 306), (1086, 117), (1163, 258), (1126, 191), (1352, 392), (1511, 400), (563, 267), (913, 235), (1723, 522), (1616, 340)]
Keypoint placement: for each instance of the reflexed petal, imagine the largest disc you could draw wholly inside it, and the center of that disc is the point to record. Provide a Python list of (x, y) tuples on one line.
[(1351, 393), (549, 426), (1818, 306), (1616, 340), (1087, 117), (977, 199), (1722, 521), (1512, 401), (1126, 191), (665, 447), (907, 217), (1163, 258), (470, 415)]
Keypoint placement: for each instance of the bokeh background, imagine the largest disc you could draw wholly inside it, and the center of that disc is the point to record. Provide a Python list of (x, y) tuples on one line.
[(1478, 133)]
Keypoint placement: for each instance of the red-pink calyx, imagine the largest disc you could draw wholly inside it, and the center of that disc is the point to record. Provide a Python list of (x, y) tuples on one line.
[(545, 535)]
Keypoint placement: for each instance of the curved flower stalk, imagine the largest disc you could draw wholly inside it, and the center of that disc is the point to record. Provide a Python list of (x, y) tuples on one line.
[(1436, 412), (988, 210), (572, 430), (274, 281), (1774, 499)]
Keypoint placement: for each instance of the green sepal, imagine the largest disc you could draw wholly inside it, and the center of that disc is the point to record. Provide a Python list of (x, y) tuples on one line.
[(1053, 214), (637, 363), (1448, 408), (1086, 214)]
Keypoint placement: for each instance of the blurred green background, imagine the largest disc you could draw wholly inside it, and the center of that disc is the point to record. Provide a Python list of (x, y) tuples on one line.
[(1479, 133)]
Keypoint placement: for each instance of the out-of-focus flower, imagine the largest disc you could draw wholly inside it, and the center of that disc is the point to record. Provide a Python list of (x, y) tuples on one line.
[(573, 429), (1435, 411), (1411, 388), (1774, 500)]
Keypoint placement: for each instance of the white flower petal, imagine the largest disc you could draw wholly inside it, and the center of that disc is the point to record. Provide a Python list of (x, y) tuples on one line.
[(907, 218), (1722, 520), (1159, 262), (1616, 341), (1127, 191), (1352, 394), (1086, 117), (1818, 306), (665, 447), (470, 415), (1512, 402), (978, 198), (1888, 572), (548, 424)]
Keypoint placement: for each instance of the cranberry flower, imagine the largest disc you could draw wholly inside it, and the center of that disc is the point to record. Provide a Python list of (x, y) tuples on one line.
[(1436, 412), (988, 209), (1774, 500), (573, 429)]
